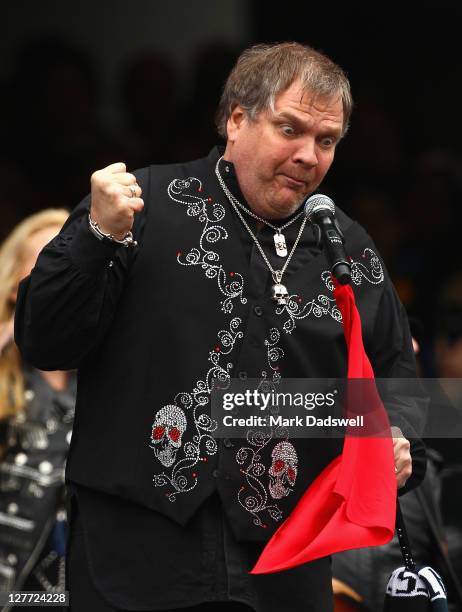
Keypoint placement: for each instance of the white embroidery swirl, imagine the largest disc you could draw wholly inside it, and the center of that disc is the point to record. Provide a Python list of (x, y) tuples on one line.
[(370, 270), (273, 354), (317, 307), (169, 427), (253, 495), (188, 193)]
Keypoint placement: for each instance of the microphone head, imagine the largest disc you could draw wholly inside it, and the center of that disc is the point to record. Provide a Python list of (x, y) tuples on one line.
[(316, 203)]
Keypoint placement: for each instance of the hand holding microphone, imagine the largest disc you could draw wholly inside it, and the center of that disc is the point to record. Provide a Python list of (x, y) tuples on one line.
[(320, 210)]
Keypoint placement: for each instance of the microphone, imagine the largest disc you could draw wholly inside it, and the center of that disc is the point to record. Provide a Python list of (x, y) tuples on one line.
[(320, 210)]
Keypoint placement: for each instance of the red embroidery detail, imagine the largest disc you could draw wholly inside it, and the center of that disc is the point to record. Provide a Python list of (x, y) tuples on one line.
[(194, 474), (291, 475), (174, 434), (178, 253), (200, 188), (157, 433), (278, 465), (209, 199), (231, 274), (217, 349)]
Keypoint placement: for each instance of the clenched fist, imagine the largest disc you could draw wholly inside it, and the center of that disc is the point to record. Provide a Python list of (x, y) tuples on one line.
[(115, 197)]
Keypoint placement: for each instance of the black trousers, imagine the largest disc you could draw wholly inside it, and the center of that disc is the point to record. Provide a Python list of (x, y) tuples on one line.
[(276, 592), (85, 597)]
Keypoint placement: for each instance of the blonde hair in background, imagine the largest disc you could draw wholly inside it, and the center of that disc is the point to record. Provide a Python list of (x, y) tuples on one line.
[(13, 253)]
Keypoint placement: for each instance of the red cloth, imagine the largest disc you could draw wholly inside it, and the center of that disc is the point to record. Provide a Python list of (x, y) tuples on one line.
[(352, 503)]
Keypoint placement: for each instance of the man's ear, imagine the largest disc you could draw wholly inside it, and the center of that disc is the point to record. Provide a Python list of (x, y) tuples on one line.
[(235, 121)]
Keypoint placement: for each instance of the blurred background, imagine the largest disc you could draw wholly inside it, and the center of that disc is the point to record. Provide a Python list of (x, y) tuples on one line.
[(85, 84)]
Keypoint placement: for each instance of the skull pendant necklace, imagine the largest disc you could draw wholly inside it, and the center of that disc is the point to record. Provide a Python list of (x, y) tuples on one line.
[(279, 292), (280, 244)]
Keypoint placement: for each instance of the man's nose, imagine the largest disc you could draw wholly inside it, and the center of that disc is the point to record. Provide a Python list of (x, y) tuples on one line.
[(306, 153)]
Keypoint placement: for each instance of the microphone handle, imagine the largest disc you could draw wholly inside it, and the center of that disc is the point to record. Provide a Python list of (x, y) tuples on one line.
[(334, 245)]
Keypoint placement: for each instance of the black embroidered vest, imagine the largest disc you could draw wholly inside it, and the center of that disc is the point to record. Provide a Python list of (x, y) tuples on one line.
[(194, 308)]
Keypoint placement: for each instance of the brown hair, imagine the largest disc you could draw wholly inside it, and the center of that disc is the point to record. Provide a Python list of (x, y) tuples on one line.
[(263, 71)]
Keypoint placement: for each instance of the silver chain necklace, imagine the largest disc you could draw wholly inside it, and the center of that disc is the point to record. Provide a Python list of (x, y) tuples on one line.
[(279, 291), (279, 238)]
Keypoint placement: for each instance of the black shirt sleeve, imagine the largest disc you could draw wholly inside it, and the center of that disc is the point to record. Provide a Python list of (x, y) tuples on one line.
[(67, 304), (392, 358)]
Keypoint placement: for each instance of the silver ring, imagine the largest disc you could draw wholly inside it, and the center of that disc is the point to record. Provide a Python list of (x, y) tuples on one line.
[(133, 190)]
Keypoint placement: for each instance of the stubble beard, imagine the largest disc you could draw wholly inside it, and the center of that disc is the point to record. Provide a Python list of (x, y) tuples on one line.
[(274, 205), (274, 209)]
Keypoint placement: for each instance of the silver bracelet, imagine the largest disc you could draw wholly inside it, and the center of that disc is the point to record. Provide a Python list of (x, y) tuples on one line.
[(127, 240)]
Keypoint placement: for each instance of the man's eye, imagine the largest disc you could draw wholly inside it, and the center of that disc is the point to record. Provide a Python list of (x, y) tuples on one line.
[(328, 141), (288, 130)]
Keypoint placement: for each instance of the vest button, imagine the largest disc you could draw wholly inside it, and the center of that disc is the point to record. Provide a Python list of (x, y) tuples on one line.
[(216, 473), (227, 443), (242, 375), (258, 310)]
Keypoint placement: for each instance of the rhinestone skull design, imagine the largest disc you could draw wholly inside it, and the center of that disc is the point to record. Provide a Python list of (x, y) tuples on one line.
[(167, 433), (283, 470)]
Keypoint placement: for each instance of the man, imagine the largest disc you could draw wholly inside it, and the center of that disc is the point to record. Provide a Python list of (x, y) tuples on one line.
[(166, 515)]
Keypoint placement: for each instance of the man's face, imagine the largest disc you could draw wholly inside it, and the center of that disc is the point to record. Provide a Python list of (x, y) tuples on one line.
[(282, 156)]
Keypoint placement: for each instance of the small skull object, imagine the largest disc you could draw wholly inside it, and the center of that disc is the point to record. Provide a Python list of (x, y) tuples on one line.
[(280, 294), (283, 470), (167, 432)]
